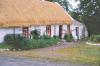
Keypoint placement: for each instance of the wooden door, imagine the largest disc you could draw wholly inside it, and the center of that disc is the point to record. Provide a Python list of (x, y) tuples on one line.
[(26, 32), (60, 31), (48, 30)]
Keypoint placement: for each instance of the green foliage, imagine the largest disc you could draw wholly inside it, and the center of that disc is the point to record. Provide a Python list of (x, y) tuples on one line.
[(35, 34), (95, 38), (5, 46), (19, 42), (42, 42), (76, 15), (68, 37), (9, 38), (90, 12), (55, 36), (63, 3), (16, 41), (45, 37), (23, 44)]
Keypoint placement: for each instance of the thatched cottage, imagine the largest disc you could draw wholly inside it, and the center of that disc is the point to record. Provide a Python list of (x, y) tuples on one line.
[(22, 16)]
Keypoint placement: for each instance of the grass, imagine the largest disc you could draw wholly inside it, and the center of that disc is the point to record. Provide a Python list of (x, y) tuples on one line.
[(83, 53), (4, 46)]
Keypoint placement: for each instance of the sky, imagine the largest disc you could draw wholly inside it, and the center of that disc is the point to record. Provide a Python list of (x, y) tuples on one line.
[(74, 4)]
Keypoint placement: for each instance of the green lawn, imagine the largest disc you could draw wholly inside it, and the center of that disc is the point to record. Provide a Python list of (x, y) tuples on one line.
[(85, 54), (91, 53), (4, 46)]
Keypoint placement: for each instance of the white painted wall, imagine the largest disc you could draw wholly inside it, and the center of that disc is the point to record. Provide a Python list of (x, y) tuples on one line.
[(54, 30), (42, 29), (4, 31), (74, 31)]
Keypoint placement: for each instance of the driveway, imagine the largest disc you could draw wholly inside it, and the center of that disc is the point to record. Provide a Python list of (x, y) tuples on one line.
[(13, 61)]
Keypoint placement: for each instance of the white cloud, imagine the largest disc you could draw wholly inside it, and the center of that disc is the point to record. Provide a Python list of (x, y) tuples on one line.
[(73, 3)]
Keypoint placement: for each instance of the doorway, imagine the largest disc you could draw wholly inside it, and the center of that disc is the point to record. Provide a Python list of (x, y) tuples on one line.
[(48, 30), (26, 32), (60, 31)]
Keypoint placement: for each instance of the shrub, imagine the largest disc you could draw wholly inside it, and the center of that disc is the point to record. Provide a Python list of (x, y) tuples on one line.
[(24, 44), (16, 41), (19, 42), (9, 39), (45, 37), (5, 46), (56, 36), (95, 38), (42, 42), (35, 34), (68, 37), (54, 41)]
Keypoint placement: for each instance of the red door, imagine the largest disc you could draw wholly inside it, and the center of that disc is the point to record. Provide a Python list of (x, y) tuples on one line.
[(26, 32), (48, 30)]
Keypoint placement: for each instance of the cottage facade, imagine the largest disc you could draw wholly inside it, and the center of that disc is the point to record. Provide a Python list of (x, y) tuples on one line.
[(78, 30)]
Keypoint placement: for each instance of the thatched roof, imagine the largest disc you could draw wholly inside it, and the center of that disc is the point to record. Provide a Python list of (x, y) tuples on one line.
[(20, 13), (75, 22)]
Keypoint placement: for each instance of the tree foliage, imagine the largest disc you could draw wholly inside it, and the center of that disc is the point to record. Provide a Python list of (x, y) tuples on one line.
[(63, 3), (75, 15), (90, 12)]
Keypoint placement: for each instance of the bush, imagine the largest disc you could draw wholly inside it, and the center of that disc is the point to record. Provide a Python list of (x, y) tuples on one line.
[(45, 37), (95, 38), (35, 34), (5, 46), (19, 42), (9, 39), (56, 36), (68, 37), (42, 42), (16, 41)]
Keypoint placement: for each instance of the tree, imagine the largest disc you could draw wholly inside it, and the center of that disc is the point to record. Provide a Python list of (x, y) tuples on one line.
[(75, 15), (63, 3), (90, 12)]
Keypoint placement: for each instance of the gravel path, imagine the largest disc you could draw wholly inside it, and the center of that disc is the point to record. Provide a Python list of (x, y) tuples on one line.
[(12, 61)]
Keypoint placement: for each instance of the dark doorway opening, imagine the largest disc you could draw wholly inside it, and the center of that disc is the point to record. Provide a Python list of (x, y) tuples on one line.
[(48, 30), (60, 31), (26, 32)]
